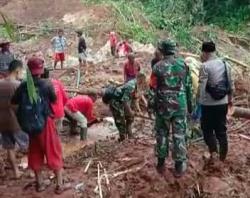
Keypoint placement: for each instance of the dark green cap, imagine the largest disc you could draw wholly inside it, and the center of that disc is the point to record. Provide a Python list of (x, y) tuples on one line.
[(167, 47)]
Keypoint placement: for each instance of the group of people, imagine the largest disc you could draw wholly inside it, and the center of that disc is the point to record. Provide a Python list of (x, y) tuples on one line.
[(59, 45), (171, 100), (168, 94), (32, 113)]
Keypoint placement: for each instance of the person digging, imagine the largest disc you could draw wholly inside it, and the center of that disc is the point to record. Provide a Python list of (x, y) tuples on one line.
[(79, 111), (120, 100)]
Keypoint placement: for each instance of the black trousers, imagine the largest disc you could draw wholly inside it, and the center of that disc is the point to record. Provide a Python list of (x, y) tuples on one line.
[(213, 125)]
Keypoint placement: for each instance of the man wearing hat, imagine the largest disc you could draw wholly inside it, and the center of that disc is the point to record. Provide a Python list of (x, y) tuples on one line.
[(46, 144), (215, 95), (120, 101), (173, 97), (6, 57)]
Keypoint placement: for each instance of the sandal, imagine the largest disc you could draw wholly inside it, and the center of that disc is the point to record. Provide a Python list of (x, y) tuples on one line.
[(42, 187), (61, 189)]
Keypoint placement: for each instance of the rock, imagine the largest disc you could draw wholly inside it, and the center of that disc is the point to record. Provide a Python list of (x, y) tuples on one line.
[(214, 185)]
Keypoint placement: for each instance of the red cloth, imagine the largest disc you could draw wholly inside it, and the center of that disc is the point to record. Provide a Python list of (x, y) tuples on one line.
[(84, 104), (61, 99), (113, 40), (153, 81), (127, 48), (131, 70), (59, 56), (47, 144)]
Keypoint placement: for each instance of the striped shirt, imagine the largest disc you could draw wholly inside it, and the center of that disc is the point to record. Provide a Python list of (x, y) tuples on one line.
[(59, 44)]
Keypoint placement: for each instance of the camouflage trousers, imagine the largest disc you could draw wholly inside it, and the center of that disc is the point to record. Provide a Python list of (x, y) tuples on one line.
[(122, 121), (163, 126)]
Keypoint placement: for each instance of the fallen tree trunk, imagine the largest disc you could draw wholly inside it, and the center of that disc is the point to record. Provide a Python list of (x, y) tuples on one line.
[(240, 112), (226, 57)]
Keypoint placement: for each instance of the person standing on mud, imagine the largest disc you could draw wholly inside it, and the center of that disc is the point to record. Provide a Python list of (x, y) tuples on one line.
[(5, 57), (113, 43), (81, 49), (61, 100), (9, 127), (47, 143), (173, 97), (59, 43), (131, 68), (215, 95), (120, 101)]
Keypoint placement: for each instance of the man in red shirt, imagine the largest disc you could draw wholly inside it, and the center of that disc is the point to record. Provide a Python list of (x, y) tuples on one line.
[(47, 144), (62, 98), (79, 110), (131, 68), (113, 42)]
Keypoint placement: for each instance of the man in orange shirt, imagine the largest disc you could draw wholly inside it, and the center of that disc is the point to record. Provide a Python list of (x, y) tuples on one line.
[(131, 68)]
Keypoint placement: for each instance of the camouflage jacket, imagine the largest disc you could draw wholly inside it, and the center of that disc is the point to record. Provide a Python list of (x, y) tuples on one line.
[(122, 94), (173, 93)]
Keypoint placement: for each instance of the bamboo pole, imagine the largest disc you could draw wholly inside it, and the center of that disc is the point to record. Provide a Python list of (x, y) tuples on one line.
[(99, 181)]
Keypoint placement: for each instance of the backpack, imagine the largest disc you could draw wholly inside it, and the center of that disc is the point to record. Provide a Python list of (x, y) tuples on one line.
[(221, 89), (32, 117)]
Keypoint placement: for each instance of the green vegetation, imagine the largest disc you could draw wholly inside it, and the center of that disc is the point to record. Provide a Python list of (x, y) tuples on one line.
[(7, 30), (139, 19)]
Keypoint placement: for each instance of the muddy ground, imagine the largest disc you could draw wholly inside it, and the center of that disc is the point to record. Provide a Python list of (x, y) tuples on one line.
[(130, 166)]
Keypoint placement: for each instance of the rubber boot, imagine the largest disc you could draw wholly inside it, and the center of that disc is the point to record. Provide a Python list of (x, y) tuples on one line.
[(122, 138), (180, 169), (83, 134), (161, 165), (129, 130), (223, 152)]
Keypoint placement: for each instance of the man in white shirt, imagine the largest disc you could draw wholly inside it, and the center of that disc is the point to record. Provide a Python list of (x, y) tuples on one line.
[(59, 43), (215, 95)]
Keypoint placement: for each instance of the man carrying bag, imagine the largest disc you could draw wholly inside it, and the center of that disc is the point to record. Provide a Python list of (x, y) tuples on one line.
[(215, 95)]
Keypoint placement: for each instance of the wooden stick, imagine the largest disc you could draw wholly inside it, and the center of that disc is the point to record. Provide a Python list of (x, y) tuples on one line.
[(99, 181), (88, 165), (107, 179), (128, 171), (144, 117), (244, 137)]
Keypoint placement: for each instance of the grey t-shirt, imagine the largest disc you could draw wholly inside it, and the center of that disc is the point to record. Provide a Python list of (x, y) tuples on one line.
[(213, 71)]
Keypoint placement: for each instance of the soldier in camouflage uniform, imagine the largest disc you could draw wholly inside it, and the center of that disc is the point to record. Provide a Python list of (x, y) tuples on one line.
[(173, 97), (120, 101)]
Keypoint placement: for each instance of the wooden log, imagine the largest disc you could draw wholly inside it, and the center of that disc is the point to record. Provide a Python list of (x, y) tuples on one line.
[(189, 54), (237, 62), (226, 57), (240, 112)]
